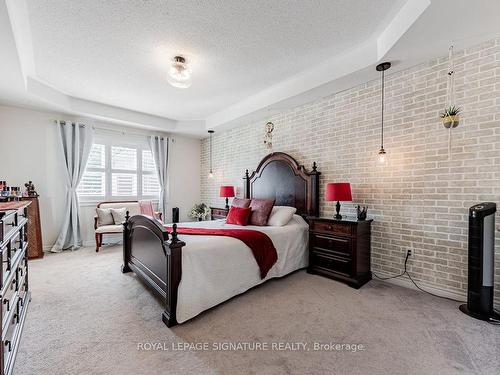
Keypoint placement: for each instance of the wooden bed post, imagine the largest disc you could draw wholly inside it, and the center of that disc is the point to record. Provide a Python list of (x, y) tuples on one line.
[(247, 185), (126, 244), (174, 274)]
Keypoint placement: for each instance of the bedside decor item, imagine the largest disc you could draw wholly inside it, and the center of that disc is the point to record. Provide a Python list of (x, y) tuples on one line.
[(30, 189), (268, 138), (361, 212), (211, 172), (179, 74), (382, 154), (227, 192), (199, 211), (338, 191), (340, 250)]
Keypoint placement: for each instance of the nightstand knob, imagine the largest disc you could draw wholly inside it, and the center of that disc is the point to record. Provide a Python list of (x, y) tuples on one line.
[(330, 227)]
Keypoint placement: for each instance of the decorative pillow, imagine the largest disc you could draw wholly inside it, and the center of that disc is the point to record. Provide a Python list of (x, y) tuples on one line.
[(118, 214), (104, 217), (280, 216), (238, 215), (241, 202), (261, 209)]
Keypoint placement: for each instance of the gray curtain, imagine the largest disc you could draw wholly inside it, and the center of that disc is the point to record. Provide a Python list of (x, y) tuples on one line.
[(159, 148), (75, 142)]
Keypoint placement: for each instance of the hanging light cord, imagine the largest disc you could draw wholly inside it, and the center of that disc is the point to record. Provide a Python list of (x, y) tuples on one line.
[(383, 88), (210, 152)]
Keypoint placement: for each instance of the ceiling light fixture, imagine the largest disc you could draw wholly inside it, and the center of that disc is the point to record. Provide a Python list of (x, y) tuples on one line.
[(179, 74), (382, 155), (211, 172)]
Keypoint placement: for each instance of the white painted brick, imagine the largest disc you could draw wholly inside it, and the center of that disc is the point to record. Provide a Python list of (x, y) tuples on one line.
[(420, 201)]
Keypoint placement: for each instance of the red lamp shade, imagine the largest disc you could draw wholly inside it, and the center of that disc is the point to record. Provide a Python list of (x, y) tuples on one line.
[(338, 191), (226, 191)]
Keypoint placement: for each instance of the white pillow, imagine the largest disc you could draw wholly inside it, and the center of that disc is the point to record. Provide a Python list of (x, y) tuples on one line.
[(104, 217), (280, 216), (118, 214)]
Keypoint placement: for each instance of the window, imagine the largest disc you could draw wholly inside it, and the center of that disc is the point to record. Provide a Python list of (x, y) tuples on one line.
[(119, 172)]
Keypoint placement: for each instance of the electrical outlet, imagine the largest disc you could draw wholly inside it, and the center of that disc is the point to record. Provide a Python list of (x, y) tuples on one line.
[(409, 252)]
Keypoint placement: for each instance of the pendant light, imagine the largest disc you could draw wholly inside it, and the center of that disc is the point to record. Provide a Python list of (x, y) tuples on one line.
[(211, 172), (382, 155), (179, 74)]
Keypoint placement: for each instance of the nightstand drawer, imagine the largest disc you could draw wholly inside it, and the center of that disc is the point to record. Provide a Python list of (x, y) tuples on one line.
[(218, 213), (332, 228), (341, 246), (323, 261)]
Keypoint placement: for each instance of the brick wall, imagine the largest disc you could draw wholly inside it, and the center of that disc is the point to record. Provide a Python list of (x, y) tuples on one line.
[(420, 199)]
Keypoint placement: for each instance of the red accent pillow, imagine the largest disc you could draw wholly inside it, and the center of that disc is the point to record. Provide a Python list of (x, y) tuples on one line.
[(241, 202), (261, 209), (238, 215)]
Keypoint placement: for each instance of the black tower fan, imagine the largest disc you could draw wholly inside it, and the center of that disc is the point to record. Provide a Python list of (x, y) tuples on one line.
[(481, 263)]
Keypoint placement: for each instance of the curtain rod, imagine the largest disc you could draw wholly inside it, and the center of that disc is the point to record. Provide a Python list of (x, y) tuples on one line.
[(122, 132)]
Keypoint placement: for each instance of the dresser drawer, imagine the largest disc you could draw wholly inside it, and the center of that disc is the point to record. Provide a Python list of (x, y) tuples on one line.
[(9, 300), (340, 246), (332, 228), (7, 225), (9, 342), (330, 263)]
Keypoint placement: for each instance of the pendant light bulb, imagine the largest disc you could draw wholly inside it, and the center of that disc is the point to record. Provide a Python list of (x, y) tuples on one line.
[(382, 156), (210, 174)]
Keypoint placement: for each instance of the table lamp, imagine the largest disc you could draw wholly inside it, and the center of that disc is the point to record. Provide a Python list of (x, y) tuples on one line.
[(226, 192), (338, 191)]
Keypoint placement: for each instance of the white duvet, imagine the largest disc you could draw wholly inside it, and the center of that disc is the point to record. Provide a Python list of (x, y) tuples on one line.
[(216, 268)]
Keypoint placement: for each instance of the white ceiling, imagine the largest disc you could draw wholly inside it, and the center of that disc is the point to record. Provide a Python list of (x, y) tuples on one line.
[(119, 55), (108, 59)]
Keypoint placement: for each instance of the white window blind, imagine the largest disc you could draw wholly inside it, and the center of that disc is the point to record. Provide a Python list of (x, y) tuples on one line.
[(93, 183), (122, 171)]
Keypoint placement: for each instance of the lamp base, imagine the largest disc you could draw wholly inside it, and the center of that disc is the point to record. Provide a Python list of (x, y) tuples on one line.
[(227, 204), (337, 216)]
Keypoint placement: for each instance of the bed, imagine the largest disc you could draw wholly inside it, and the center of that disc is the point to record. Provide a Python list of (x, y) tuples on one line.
[(193, 273)]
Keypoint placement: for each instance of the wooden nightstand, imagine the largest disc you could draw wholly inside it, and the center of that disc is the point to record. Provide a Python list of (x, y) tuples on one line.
[(218, 213), (340, 250)]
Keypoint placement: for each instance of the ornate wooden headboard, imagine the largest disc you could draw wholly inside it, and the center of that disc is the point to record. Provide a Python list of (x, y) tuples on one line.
[(279, 176)]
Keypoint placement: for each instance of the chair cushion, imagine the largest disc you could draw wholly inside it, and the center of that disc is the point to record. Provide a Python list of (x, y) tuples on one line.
[(110, 229), (104, 216)]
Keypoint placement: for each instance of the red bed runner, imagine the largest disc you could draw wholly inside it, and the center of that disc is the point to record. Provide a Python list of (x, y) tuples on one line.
[(261, 245)]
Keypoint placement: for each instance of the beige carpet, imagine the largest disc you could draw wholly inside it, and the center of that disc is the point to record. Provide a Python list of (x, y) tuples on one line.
[(86, 317)]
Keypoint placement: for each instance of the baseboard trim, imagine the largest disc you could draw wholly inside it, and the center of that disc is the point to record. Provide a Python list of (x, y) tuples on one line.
[(405, 282)]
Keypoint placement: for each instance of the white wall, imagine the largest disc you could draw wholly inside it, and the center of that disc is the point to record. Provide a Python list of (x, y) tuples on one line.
[(29, 151)]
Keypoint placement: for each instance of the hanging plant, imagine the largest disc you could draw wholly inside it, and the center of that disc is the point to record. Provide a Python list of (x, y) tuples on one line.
[(451, 117)]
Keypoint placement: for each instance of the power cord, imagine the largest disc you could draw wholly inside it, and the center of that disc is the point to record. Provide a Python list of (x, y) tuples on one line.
[(405, 272)]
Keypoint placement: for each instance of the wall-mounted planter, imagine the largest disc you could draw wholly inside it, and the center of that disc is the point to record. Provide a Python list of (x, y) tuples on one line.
[(451, 121)]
